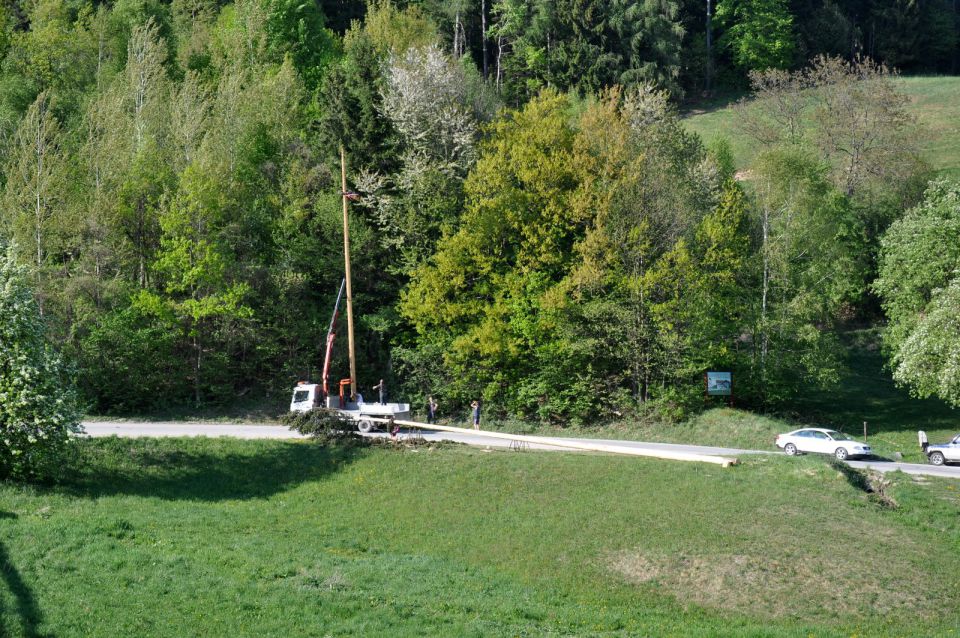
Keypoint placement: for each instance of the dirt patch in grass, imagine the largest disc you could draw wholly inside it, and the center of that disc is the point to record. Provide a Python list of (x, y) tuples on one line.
[(791, 587)]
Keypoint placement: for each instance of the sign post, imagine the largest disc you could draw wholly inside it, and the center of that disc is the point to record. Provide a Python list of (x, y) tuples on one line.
[(719, 384)]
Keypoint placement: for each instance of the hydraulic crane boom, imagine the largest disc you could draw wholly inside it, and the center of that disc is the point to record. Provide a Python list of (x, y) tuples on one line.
[(331, 335)]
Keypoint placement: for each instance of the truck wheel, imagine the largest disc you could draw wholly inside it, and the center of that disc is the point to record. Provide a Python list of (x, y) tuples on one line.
[(365, 425), (937, 458)]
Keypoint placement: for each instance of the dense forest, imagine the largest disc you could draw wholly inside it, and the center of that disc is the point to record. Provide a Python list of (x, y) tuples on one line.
[(534, 227)]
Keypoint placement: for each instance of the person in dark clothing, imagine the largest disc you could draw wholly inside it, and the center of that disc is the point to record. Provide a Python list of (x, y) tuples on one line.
[(431, 410), (475, 405), (382, 388)]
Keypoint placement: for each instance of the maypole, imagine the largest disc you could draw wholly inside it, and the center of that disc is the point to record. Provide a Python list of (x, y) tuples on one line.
[(346, 260)]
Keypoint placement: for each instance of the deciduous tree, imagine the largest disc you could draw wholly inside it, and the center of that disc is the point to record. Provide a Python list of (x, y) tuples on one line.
[(34, 210), (920, 290), (38, 410), (758, 33)]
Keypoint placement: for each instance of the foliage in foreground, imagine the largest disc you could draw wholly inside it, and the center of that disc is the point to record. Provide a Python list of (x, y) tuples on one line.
[(325, 426), (38, 409)]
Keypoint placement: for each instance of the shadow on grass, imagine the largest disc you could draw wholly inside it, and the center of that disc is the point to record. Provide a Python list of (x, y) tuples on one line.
[(856, 478), (25, 604), (200, 469), (868, 393), (698, 103), (870, 483)]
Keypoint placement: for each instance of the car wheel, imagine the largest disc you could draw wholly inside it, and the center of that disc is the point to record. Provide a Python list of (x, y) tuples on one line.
[(365, 425), (790, 449), (841, 453), (937, 458)]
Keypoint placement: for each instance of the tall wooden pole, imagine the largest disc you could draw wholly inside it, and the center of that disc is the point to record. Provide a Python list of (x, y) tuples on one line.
[(346, 261), (709, 69)]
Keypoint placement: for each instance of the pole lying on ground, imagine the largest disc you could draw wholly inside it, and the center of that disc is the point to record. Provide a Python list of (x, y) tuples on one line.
[(574, 445)]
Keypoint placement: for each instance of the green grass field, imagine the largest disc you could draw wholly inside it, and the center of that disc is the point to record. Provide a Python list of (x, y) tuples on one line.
[(230, 538), (934, 100)]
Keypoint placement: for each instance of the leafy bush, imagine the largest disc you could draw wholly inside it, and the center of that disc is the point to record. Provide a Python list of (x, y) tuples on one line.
[(131, 344), (327, 426), (38, 409)]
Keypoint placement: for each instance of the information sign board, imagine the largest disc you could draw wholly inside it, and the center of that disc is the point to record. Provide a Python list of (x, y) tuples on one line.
[(719, 384)]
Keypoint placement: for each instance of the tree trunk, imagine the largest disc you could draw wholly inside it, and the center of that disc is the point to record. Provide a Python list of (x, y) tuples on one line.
[(39, 148), (763, 303), (196, 370), (499, 58), (709, 69), (458, 43), (483, 37)]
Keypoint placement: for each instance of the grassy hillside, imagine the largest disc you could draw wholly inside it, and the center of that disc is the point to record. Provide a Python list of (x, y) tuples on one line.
[(934, 100), (230, 538)]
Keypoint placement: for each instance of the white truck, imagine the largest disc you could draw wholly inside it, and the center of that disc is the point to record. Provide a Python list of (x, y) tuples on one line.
[(307, 396)]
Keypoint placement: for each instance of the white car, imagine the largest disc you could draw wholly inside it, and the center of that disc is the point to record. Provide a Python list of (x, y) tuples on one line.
[(940, 453), (822, 441)]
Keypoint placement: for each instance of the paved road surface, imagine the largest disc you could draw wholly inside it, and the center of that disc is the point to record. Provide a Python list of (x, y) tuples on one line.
[(174, 429)]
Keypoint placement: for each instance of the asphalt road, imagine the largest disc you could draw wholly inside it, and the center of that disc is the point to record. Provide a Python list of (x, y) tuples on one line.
[(178, 429)]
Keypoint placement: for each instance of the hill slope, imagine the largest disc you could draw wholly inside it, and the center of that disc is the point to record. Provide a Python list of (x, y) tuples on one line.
[(934, 100)]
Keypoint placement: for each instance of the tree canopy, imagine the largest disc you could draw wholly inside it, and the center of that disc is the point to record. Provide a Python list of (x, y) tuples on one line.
[(920, 290), (533, 223)]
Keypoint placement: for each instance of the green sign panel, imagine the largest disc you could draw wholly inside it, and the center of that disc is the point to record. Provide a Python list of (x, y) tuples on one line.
[(719, 384)]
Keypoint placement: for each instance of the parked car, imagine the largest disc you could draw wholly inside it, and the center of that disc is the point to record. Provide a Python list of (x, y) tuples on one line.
[(940, 453), (821, 441)]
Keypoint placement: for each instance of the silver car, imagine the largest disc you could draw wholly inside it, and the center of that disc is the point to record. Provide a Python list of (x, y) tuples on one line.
[(821, 441), (938, 454)]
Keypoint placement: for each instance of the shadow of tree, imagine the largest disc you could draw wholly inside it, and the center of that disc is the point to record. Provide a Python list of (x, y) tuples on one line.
[(200, 469), (27, 611)]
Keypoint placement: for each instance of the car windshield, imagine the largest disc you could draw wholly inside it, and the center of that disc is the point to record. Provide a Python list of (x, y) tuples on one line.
[(839, 436), (300, 396)]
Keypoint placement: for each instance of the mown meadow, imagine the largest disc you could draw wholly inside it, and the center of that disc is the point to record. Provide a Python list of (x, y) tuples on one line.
[(229, 538), (933, 101)]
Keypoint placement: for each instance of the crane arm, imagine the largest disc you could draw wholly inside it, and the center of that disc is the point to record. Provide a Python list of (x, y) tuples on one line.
[(331, 335)]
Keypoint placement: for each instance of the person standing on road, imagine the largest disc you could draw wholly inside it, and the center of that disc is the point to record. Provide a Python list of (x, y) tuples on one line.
[(431, 410), (382, 387), (475, 405)]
